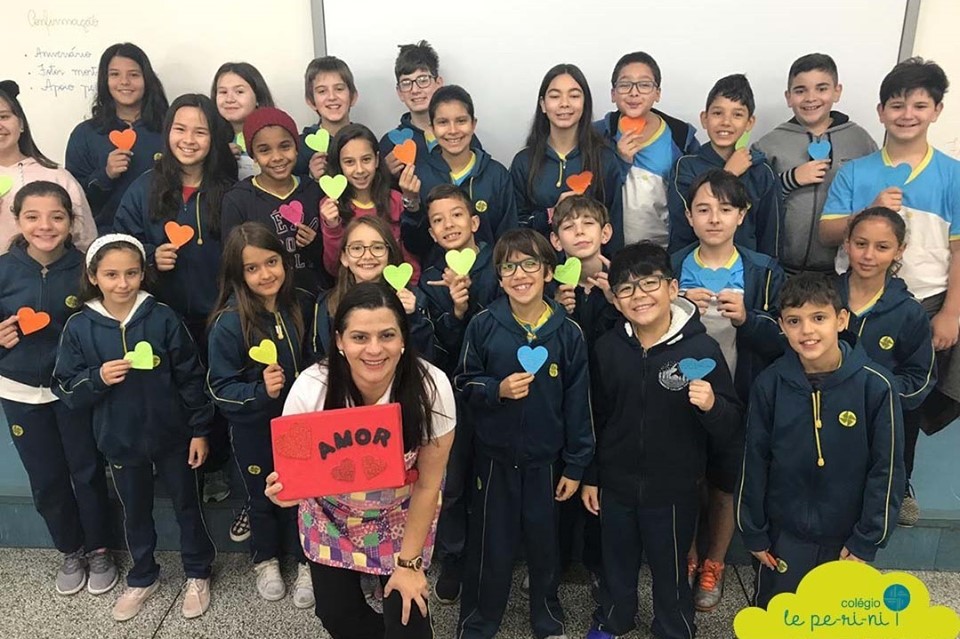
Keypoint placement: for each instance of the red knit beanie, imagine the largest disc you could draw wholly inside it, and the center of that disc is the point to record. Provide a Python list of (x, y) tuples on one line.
[(264, 117)]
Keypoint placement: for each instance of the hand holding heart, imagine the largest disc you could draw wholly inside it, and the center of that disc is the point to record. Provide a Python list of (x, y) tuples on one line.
[(701, 394), (629, 144), (305, 235), (566, 296), (118, 162), (8, 332), (408, 299), (891, 197), (318, 165), (460, 294), (699, 296), (740, 162), (330, 213), (730, 304), (410, 183), (812, 172), (273, 380), (115, 371), (166, 257), (516, 386)]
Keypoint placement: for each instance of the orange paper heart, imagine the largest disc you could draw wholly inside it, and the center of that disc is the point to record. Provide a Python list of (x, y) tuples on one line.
[(31, 321), (123, 140), (178, 234), (580, 182), (632, 125), (406, 152)]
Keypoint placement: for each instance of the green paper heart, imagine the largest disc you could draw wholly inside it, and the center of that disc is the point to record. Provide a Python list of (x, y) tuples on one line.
[(460, 262), (398, 276), (333, 186), (239, 141), (743, 141), (319, 141), (569, 272), (141, 357), (6, 183), (265, 353)]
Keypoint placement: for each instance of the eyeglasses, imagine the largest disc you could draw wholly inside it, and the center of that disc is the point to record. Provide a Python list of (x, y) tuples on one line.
[(356, 251), (647, 285), (624, 87), (529, 265), (422, 81)]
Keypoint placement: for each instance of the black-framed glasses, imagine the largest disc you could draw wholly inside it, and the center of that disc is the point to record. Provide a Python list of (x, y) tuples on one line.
[(644, 87), (356, 249), (529, 265), (422, 81), (648, 284)]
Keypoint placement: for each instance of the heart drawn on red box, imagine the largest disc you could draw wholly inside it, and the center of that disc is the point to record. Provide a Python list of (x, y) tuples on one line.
[(295, 443), (373, 466), (344, 471)]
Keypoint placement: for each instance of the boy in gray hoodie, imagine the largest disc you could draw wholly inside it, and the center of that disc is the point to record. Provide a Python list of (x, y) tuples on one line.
[(806, 152)]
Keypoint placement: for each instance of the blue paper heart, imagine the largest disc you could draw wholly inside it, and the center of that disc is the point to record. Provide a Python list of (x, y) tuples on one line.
[(399, 136), (532, 358), (819, 150), (696, 368), (898, 175), (715, 279)]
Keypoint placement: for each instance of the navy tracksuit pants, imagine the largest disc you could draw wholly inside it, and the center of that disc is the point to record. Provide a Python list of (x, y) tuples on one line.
[(67, 479), (451, 539), (801, 556)]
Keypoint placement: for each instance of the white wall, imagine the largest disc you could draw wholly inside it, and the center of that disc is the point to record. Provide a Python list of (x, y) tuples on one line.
[(937, 39)]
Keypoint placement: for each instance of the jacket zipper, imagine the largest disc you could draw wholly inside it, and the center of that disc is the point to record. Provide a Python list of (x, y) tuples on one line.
[(123, 338), (199, 227), (563, 165), (643, 426), (42, 306), (281, 328), (817, 425)]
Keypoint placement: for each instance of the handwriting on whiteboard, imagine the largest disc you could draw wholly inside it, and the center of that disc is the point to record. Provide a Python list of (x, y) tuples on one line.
[(48, 21)]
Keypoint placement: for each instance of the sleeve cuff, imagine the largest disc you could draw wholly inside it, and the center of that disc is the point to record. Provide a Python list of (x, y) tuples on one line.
[(861, 548), (756, 542), (574, 472)]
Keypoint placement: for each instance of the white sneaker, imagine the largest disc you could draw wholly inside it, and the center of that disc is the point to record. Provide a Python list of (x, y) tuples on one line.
[(303, 588), (269, 581), (128, 605), (196, 599)]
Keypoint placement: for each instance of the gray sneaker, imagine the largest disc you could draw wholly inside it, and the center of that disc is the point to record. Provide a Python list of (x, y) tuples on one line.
[(909, 509), (103, 572), (73, 574), (215, 486)]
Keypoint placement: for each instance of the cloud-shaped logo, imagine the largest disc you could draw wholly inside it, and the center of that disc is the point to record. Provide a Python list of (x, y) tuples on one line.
[(851, 600)]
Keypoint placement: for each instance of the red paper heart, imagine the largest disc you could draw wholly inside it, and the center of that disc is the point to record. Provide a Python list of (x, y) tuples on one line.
[(580, 182), (406, 152), (344, 471), (123, 140), (373, 466), (632, 125), (292, 212), (295, 443), (31, 321), (178, 234)]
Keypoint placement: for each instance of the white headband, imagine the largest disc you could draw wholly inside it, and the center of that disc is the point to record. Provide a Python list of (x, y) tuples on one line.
[(103, 240)]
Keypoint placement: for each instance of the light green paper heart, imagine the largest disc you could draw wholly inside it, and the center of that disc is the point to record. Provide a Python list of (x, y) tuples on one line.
[(319, 141), (333, 186), (743, 141), (460, 262), (398, 276), (6, 183), (241, 142), (265, 353), (141, 357), (569, 272)]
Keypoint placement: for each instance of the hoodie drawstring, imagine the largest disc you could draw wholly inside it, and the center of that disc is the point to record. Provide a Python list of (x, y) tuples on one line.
[(563, 165), (817, 425), (766, 292), (199, 227)]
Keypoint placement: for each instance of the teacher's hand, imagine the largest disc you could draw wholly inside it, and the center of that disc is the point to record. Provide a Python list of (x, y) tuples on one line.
[(273, 487), (412, 586)]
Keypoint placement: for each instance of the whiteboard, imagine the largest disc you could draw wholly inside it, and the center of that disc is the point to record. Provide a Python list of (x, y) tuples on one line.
[(499, 50), (52, 49), (936, 40)]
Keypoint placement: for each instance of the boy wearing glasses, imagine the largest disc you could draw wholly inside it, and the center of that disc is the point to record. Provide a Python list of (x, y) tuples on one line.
[(523, 374), (659, 388), (648, 141)]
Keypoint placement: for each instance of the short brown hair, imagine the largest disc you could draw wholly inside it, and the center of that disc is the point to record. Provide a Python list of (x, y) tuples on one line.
[(576, 206), (528, 242)]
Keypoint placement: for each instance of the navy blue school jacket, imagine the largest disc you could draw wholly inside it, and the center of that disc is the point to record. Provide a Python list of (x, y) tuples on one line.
[(759, 340), (489, 188), (86, 158), (150, 412), (593, 313), (896, 334), (247, 202), (234, 381), (423, 147), (191, 287), (552, 181), (553, 422), (824, 464), (761, 226), (651, 441), (484, 288), (24, 283), (305, 153)]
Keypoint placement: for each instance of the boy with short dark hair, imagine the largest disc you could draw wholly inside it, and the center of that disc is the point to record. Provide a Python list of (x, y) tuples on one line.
[(659, 388), (806, 152), (649, 143), (331, 91), (728, 120), (523, 372), (824, 414)]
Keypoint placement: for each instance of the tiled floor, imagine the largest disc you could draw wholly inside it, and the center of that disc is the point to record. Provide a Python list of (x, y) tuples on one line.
[(32, 610)]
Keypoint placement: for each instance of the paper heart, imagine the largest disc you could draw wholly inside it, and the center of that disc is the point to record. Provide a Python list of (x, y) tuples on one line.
[(333, 185), (569, 272), (406, 152), (631, 125), (178, 234), (344, 471), (819, 150), (31, 321), (898, 175), (241, 142), (373, 466), (531, 359), (123, 140), (6, 183), (696, 368), (265, 353), (399, 136), (398, 276), (141, 357), (580, 182), (292, 212), (295, 443), (319, 141), (715, 279), (743, 141), (460, 262)]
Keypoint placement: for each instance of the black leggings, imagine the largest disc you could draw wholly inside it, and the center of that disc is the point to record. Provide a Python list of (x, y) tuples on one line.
[(911, 431)]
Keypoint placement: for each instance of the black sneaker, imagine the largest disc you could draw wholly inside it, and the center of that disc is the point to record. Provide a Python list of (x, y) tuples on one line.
[(448, 583), (240, 529)]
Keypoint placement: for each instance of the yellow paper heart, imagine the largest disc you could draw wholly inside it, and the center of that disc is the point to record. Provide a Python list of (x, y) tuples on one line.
[(265, 353)]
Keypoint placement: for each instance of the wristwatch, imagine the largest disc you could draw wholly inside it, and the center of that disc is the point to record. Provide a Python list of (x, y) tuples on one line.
[(413, 564), (411, 204)]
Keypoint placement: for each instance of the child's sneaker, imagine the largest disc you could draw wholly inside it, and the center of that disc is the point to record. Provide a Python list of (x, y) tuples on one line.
[(131, 601), (710, 587), (303, 588), (73, 575), (240, 529), (215, 486), (693, 567), (909, 509), (269, 582), (196, 599), (103, 572), (448, 583)]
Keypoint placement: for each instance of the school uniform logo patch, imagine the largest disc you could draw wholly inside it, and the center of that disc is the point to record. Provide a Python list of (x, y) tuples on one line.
[(886, 342), (554, 370), (17, 430), (847, 418), (71, 302), (481, 206), (253, 469), (671, 378)]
